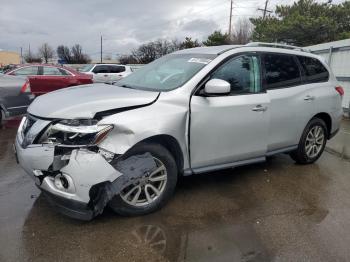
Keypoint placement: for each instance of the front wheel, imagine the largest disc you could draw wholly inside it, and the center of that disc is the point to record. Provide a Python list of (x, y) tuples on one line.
[(152, 191), (312, 142)]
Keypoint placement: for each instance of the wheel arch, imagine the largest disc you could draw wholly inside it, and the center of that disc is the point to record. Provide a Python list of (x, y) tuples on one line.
[(172, 145), (328, 121)]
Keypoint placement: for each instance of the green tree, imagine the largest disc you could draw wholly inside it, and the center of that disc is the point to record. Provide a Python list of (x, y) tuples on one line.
[(217, 38), (306, 22), (189, 43)]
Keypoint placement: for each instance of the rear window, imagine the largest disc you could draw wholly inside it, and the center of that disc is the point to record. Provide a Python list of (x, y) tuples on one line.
[(315, 72), (116, 69), (101, 69), (26, 71), (281, 71)]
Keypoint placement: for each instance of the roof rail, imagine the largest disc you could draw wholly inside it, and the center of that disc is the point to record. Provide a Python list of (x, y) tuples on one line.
[(277, 45)]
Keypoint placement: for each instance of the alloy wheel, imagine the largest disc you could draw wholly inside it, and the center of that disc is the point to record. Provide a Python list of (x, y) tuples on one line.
[(148, 188), (314, 141)]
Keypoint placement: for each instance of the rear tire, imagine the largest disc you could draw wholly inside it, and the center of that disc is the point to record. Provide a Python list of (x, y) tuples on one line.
[(123, 204), (312, 142)]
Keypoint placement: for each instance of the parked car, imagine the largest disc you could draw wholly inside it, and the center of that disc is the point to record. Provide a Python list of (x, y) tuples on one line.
[(106, 73), (47, 78), (15, 96), (194, 111)]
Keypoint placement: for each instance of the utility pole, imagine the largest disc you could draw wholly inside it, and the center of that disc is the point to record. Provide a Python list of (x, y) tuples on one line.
[(101, 49), (29, 52), (21, 55), (265, 9), (230, 25)]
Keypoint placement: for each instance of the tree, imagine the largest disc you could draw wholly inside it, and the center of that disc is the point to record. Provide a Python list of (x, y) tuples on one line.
[(63, 53), (148, 52), (29, 57), (46, 52), (74, 55), (128, 59), (217, 38), (306, 22), (243, 32), (189, 43)]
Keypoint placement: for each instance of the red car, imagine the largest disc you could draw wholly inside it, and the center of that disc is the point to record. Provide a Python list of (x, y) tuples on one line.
[(46, 78)]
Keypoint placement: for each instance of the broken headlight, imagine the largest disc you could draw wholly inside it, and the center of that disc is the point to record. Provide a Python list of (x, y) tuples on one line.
[(75, 133)]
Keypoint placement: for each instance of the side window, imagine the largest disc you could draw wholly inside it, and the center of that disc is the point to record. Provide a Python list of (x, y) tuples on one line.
[(281, 71), (26, 71), (117, 69), (242, 73), (101, 69), (314, 70), (51, 71)]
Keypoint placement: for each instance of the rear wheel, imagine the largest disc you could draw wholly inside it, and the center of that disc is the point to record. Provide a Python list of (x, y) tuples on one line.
[(152, 191), (312, 142)]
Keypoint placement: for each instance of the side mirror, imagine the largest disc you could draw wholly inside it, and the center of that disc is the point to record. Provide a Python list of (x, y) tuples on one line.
[(217, 87)]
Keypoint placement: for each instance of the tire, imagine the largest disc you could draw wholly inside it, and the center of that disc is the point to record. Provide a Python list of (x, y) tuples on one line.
[(310, 146), (121, 203)]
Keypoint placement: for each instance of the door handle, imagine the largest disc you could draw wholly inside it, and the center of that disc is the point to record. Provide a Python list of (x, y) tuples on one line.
[(309, 98), (259, 108)]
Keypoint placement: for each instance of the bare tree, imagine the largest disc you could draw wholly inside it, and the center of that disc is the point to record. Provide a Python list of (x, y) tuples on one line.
[(64, 54), (74, 55), (243, 32), (128, 59), (46, 52), (29, 57)]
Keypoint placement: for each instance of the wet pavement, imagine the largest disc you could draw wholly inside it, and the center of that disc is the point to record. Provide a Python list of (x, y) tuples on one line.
[(274, 211)]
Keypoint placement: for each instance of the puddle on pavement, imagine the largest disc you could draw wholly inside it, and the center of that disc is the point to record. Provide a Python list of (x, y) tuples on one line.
[(255, 213)]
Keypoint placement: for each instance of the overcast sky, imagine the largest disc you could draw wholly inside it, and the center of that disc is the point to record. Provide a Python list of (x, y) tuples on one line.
[(123, 24)]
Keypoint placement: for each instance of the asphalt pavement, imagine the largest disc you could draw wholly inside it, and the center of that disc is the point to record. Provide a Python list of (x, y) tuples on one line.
[(274, 211)]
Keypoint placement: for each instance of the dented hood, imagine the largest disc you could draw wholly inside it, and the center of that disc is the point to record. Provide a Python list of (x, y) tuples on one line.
[(87, 100)]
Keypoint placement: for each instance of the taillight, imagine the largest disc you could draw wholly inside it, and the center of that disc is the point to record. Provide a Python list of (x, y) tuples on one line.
[(340, 90), (26, 87)]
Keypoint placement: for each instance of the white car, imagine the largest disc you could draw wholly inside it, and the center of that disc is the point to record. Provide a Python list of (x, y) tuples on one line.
[(193, 111), (106, 73)]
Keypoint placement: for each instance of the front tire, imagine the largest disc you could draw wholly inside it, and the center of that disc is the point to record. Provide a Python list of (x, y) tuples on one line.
[(149, 194), (312, 142)]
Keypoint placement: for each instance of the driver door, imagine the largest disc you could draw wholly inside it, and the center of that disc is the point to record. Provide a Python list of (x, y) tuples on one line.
[(231, 127)]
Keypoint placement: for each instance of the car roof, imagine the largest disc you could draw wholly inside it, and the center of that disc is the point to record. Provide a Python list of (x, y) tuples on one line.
[(256, 46), (210, 50)]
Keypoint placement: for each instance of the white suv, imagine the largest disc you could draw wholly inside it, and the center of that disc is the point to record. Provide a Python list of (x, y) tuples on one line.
[(193, 111), (106, 73)]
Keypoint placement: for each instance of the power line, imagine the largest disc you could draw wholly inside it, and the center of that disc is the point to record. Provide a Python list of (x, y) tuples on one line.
[(265, 10)]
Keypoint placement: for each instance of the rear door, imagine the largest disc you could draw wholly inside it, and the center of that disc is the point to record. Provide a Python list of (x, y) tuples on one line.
[(233, 127), (290, 106), (101, 73), (50, 79), (117, 72)]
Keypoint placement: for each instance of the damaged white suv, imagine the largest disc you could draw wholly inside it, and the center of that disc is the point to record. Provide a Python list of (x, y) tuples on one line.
[(193, 111)]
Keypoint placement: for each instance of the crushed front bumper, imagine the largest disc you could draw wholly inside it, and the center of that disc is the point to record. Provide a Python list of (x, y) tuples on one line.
[(78, 181), (84, 170)]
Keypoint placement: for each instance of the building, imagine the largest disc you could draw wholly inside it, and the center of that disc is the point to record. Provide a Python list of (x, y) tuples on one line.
[(8, 57), (337, 55)]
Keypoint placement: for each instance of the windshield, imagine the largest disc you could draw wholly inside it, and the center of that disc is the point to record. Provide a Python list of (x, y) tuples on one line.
[(85, 68), (167, 73)]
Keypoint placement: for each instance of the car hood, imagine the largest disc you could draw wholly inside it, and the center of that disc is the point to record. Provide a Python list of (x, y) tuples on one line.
[(86, 100)]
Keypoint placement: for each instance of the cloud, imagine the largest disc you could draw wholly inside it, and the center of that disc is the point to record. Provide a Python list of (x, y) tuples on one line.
[(124, 24)]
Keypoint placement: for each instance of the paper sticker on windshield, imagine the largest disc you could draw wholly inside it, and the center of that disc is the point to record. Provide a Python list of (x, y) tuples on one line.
[(199, 60)]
